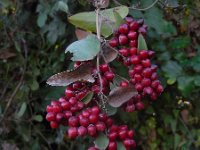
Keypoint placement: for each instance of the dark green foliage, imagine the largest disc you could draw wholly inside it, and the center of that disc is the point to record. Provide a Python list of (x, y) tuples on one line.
[(33, 37)]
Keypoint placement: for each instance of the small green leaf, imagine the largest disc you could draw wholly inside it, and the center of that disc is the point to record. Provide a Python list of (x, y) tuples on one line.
[(87, 20), (22, 110), (88, 97), (85, 49), (197, 80), (101, 141), (63, 6), (41, 19), (171, 81), (120, 146), (142, 43), (38, 118), (110, 110)]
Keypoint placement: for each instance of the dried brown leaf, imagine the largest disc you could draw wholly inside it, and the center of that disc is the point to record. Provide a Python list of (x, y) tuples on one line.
[(108, 53), (82, 73), (120, 95), (81, 34), (6, 54)]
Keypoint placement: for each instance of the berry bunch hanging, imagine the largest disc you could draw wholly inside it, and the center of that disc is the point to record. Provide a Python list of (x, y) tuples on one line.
[(91, 87)]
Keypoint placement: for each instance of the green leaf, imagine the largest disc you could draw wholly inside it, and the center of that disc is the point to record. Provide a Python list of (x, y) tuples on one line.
[(118, 19), (171, 81), (63, 6), (34, 85), (38, 118), (41, 19), (22, 110), (120, 146), (142, 45), (110, 110), (101, 141), (186, 85), (180, 42), (87, 20), (88, 97), (85, 49), (197, 80)]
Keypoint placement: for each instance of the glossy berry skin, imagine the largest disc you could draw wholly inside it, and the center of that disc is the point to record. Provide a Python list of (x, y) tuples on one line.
[(123, 29), (53, 124), (109, 75), (132, 35), (123, 39), (112, 136), (92, 130), (72, 132), (113, 43), (50, 116), (73, 121), (82, 131), (134, 26), (104, 68), (112, 146)]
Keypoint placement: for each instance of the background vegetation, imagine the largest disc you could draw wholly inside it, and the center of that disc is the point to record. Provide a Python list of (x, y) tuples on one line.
[(33, 37)]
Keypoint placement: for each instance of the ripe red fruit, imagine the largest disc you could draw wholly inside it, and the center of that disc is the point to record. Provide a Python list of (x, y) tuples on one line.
[(55, 103), (154, 76), (84, 121), (109, 75), (123, 39), (133, 51), (123, 84), (51, 116), (92, 130), (73, 100), (103, 117), (133, 43), (72, 132), (130, 134), (131, 73), (134, 60), (148, 90), (95, 110), (49, 108), (95, 89), (138, 87), (109, 122), (112, 146), (138, 77), (151, 53), (67, 114), (122, 134), (113, 128), (124, 52), (59, 117), (65, 105), (154, 68), (80, 95), (93, 118), (53, 124), (73, 121), (138, 69), (80, 105), (113, 42), (62, 99), (143, 54), (132, 35), (134, 26), (100, 126), (129, 143), (69, 93), (154, 96), (155, 84), (73, 109), (82, 131), (146, 82), (146, 63), (140, 106), (104, 68), (86, 113), (112, 136), (159, 89), (123, 29), (129, 20), (147, 72), (132, 80), (57, 109), (142, 31), (130, 108), (76, 85)]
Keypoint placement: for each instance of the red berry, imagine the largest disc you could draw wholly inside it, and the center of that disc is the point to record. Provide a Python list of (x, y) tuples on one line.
[(123, 40), (84, 121), (67, 114), (109, 75), (124, 52), (123, 134), (59, 117), (104, 68), (129, 20), (140, 106), (134, 60), (139, 87), (123, 127), (112, 146), (74, 109), (49, 108), (154, 76), (57, 109), (100, 126), (72, 132), (133, 51), (113, 42), (69, 93), (65, 105), (154, 96), (138, 69), (103, 117), (73, 121), (73, 100), (95, 89), (53, 124), (109, 122), (76, 86), (123, 83), (51, 116), (138, 77), (113, 128), (123, 29), (131, 134), (131, 73), (112, 136), (154, 68), (148, 90), (129, 143), (80, 95), (151, 53), (132, 35), (159, 89), (95, 110), (155, 84), (134, 26), (82, 131), (133, 43), (86, 113), (146, 82), (147, 72), (142, 31), (130, 108), (146, 63), (93, 118), (143, 54), (55, 103), (133, 81), (62, 99), (92, 130), (80, 105)]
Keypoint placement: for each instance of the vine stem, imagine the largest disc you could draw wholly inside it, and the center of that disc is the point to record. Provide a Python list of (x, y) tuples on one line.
[(98, 29)]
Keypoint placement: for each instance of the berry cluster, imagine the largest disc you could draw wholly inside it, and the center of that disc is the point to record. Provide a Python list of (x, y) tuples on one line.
[(142, 73)]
